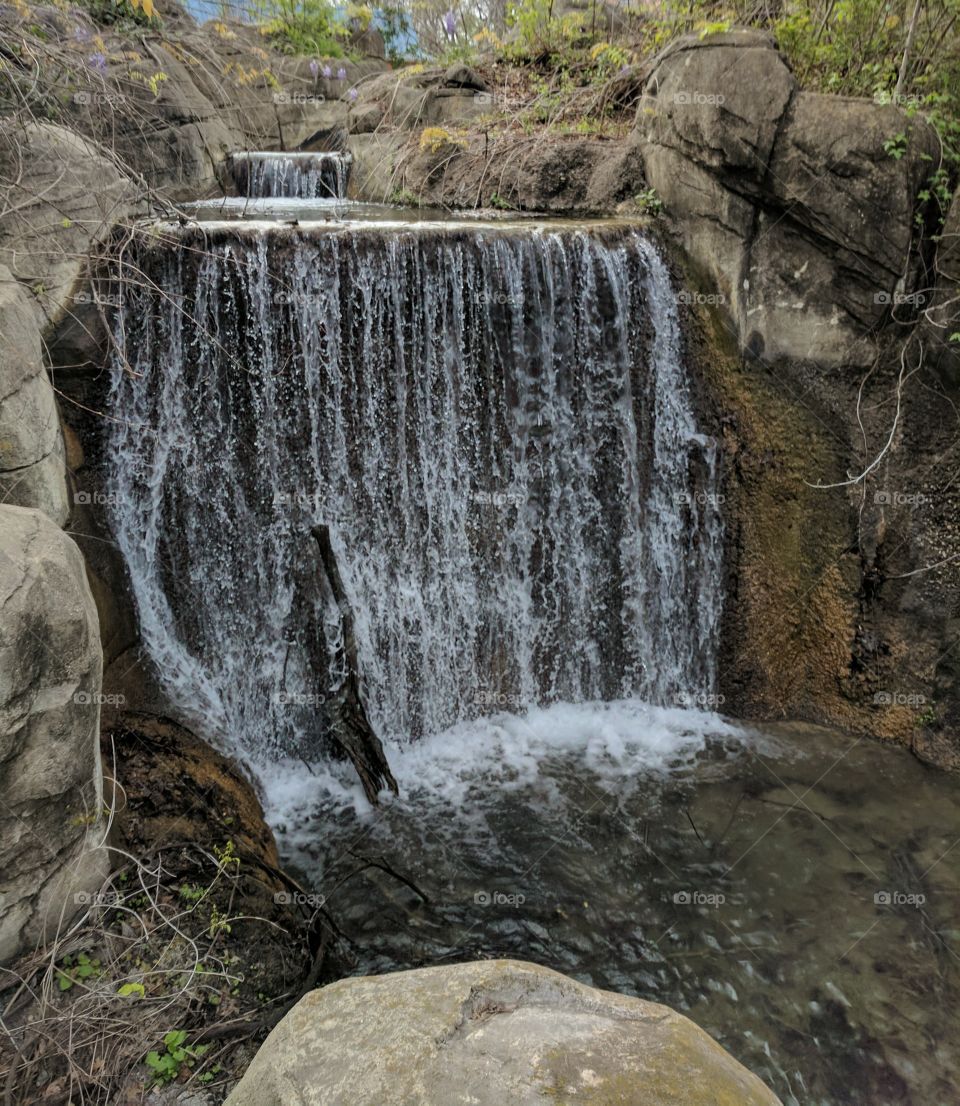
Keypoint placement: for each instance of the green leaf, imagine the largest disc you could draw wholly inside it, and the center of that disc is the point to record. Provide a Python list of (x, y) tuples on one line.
[(64, 981), (129, 989), (175, 1038)]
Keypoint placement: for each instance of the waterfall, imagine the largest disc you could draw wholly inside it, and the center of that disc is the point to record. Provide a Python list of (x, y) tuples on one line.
[(496, 424), (291, 175)]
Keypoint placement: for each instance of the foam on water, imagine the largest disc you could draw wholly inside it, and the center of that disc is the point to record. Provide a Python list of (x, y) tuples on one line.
[(461, 771)]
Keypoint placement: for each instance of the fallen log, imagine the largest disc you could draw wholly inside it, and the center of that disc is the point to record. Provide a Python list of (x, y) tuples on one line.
[(350, 726)]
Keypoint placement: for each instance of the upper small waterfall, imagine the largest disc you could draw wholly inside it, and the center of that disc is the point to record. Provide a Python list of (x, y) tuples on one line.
[(299, 176), (495, 423)]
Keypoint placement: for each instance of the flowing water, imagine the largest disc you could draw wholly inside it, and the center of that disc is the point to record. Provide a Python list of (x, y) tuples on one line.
[(496, 422), (291, 175), (792, 891)]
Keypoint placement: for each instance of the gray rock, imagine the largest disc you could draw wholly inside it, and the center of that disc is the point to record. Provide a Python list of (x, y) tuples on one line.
[(462, 76), (50, 782), (32, 467), (789, 202), (61, 194), (489, 1033)]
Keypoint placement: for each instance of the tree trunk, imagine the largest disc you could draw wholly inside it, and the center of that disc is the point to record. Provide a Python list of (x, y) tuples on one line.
[(351, 728)]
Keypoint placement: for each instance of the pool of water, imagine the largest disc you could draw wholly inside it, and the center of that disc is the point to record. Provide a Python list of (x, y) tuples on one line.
[(793, 891)]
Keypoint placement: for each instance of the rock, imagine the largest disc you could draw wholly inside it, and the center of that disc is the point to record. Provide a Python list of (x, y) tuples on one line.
[(32, 467), (364, 118), (61, 195), (179, 800), (790, 202), (462, 76), (488, 1033), (50, 783)]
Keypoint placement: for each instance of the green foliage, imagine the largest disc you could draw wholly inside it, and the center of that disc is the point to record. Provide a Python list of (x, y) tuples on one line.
[(75, 969), (165, 1065), (303, 27), (896, 147), (120, 15), (132, 990), (648, 202), (539, 32)]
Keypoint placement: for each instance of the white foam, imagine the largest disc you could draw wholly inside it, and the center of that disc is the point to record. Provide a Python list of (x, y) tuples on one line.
[(619, 743)]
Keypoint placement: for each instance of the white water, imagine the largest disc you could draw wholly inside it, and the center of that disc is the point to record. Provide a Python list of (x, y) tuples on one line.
[(458, 774), (291, 175), (497, 425)]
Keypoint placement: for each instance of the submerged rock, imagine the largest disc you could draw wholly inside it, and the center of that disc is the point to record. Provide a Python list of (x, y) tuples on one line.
[(488, 1033)]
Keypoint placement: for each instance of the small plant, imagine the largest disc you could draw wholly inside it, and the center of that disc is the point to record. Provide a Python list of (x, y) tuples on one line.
[(404, 197), (176, 1054), (896, 147), (648, 202), (436, 139), (497, 201), (75, 969)]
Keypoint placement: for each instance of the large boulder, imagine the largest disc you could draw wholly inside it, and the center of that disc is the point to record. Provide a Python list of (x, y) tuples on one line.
[(488, 1033), (798, 208), (32, 469), (61, 194), (50, 783)]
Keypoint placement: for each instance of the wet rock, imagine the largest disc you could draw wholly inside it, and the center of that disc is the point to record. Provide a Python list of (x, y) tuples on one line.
[(489, 1032), (50, 782)]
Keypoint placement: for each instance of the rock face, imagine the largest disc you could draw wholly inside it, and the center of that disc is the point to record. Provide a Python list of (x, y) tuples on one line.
[(61, 195), (489, 1033), (50, 784), (32, 470), (798, 207)]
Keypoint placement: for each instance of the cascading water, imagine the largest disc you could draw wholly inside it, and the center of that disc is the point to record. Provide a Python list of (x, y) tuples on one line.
[(497, 426), (291, 175)]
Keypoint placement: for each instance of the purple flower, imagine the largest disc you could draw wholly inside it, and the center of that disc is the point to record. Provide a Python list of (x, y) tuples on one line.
[(98, 61), (450, 24), (314, 68), (326, 72), (353, 94), (341, 74)]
